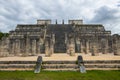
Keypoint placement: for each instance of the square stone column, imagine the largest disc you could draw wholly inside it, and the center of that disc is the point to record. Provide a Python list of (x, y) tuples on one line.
[(78, 44), (17, 47), (47, 49), (82, 47), (12, 47), (117, 48), (94, 51), (38, 46), (27, 47), (71, 49), (34, 47), (87, 47)]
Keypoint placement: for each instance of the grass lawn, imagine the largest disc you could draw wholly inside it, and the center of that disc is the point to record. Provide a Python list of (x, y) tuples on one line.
[(60, 75)]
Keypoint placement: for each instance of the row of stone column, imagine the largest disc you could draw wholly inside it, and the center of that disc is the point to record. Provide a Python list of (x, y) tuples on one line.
[(25, 47), (87, 46)]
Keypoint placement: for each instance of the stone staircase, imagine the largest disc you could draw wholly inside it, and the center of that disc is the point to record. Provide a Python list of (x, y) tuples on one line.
[(17, 65), (61, 65), (89, 65), (103, 65)]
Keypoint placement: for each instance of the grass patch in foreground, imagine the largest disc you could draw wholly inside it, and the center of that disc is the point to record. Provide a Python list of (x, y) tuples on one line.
[(60, 75)]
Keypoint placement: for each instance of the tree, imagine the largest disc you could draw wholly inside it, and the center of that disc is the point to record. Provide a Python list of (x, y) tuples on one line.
[(3, 35)]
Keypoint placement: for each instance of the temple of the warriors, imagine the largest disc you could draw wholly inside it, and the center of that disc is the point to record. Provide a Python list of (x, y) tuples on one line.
[(47, 38)]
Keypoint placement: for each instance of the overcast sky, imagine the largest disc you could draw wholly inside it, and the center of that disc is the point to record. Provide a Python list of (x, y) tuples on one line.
[(106, 12)]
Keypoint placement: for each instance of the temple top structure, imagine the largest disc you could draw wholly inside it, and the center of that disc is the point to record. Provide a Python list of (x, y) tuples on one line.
[(48, 21)]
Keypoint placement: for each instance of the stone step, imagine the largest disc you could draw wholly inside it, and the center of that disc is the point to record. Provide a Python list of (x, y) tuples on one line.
[(60, 65), (87, 66), (17, 66), (16, 69), (71, 69), (60, 62), (17, 62), (75, 64), (103, 61), (65, 69)]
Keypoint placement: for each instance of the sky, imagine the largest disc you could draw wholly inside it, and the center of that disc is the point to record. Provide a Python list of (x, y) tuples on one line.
[(106, 12)]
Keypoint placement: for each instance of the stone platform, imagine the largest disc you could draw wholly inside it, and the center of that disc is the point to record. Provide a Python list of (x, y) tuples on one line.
[(62, 57), (62, 62)]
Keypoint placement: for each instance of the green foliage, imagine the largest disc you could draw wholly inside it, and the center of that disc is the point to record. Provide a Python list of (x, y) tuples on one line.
[(60, 75), (3, 35)]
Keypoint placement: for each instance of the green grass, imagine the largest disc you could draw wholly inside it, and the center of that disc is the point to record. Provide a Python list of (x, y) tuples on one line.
[(60, 75)]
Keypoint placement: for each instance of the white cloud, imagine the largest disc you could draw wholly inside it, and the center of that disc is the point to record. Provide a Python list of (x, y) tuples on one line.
[(13, 12)]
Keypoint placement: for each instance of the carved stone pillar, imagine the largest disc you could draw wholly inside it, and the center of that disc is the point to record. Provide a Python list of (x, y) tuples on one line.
[(52, 42), (41, 43), (94, 45), (34, 47), (23, 46), (47, 49), (12, 47), (51, 50), (27, 47), (94, 51), (17, 44), (117, 47), (71, 47), (78, 45), (15, 47), (82, 47), (87, 47), (38, 47), (106, 47)]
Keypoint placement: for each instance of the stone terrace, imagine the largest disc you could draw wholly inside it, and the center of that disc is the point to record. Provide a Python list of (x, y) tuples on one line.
[(62, 57)]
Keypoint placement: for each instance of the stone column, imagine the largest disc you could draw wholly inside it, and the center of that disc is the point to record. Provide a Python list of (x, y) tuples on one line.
[(117, 47), (94, 45), (87, 47), (41, 42), (34, 47), (82, 47), (51, 49), (106, 47), (47, 49), (78, 44), (71, 47), (38, 47), (17, 47), (23, 46), (13, 47), (52, 44), (66, 42), (27, 47), (94, 50)]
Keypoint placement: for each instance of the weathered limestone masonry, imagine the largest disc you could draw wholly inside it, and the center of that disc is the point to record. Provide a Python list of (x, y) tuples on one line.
[(60, 65), (48, 38)]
